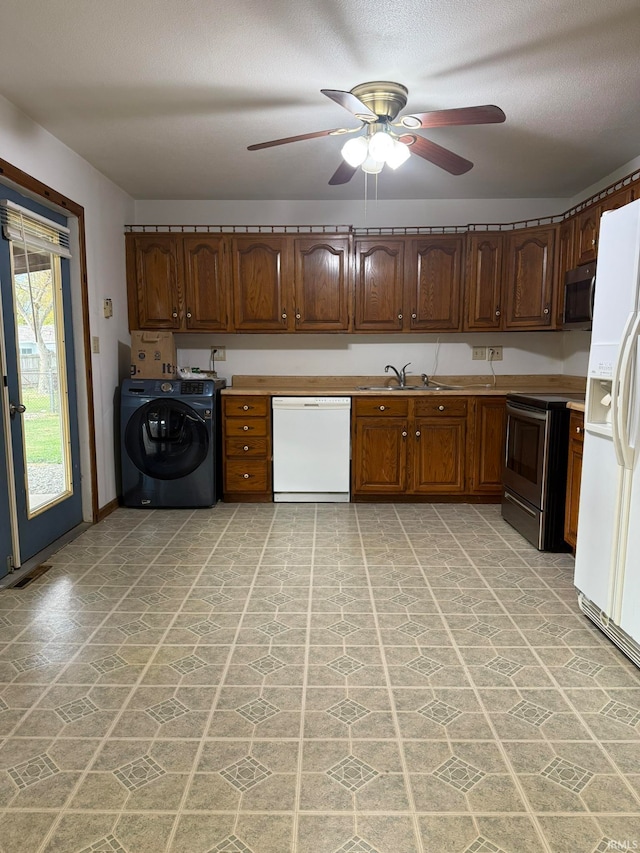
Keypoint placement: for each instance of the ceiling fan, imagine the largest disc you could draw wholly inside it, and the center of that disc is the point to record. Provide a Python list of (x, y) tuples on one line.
[(377, 105)]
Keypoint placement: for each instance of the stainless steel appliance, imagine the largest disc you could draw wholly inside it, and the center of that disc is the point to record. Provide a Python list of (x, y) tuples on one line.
[(579, 295), (535, 468)]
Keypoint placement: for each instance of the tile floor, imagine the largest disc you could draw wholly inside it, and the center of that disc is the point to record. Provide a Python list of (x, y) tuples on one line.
[(312, 679)]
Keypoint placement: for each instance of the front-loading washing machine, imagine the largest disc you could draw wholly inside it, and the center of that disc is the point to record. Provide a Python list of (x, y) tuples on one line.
[(170, 442)]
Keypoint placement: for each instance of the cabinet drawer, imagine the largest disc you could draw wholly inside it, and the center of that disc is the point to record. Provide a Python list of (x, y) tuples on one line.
[(245, 426), (253, 406), (377, 407), (249, 446), (576, 426), (445, 406), (247, 475)]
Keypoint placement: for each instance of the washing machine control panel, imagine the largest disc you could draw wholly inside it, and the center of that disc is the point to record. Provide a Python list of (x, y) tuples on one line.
[(166, 387)]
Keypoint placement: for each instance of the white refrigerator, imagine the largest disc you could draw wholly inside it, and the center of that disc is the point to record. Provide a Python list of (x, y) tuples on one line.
[(607, 568)]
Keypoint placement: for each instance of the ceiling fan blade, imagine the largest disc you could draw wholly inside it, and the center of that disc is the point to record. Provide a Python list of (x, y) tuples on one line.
[(343, 174), (288, 139), (436, 154), (485, 114), (351, 103)]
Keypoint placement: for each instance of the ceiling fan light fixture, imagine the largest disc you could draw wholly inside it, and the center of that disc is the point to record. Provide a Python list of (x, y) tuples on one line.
[(380, 145), (398, 155), (355, 151), (410, 121), (372, 166)]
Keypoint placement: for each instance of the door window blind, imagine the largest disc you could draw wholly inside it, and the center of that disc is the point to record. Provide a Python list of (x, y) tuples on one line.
[(34, 231)]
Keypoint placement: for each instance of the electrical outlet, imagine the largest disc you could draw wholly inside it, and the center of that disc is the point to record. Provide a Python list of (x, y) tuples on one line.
[(479, 353), (219, 353), (495, 353)]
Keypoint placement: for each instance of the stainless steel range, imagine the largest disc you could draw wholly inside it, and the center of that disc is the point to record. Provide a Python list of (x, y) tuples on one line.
[(535, 469)]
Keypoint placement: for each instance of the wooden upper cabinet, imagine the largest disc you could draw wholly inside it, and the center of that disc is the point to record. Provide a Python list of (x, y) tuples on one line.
[(434, 277), (262, 297), (587, 225), (564, 262), (322, 283), (528, 278), (154, 274), (379, 280), (484, 281), (206, 286)]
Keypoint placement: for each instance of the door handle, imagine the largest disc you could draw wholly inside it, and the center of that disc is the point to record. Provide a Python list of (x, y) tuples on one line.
[(16, 409)]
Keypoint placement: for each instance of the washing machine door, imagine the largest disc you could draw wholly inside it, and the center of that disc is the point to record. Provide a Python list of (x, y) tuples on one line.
[(166, 439)]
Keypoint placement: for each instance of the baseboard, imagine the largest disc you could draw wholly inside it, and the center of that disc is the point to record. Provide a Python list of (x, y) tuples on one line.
[(107, 509)]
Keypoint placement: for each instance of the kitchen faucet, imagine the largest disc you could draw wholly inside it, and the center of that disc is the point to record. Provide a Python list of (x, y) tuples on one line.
[(400, 374)]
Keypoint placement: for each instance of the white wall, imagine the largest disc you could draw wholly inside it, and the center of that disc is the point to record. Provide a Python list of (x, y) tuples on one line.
[(26, 145)]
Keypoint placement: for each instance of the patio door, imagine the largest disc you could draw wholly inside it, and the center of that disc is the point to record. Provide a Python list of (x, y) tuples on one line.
[(39, 448)]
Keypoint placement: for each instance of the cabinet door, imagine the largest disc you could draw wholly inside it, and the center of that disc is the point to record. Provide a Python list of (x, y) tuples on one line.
[(564, 262), (261, 296), (434, 277), (378, 285), (587, 224), (322, 267), (574, 476), (438, 455), (206, 283), (487, 452), (528, 282), (380, 456), (484, 281), (154, 276)]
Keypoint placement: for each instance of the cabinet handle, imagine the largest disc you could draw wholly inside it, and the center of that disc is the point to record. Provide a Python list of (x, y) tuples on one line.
[(246, 428), (399, 316), (188, 314), (546, 309), (246, 476), (579, 430), (284, 314), (174, 313), (497, 312), (414, 316), (246, 447), (382, 408), (593, 242), (417, 433), (404, 433), (441, 408), (298, 317), (246, 408)]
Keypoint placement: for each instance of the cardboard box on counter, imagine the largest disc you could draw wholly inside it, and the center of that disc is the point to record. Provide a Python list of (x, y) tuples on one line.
[(153, 355)]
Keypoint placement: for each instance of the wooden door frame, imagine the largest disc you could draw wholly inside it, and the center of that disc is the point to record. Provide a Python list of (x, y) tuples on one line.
[(21, 181)]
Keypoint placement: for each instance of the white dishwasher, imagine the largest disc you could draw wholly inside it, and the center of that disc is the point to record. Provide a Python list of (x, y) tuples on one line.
[(311, 448)]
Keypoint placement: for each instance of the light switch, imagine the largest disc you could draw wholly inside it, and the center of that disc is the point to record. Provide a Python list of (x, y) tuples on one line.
[(107, 308), (95, 344)]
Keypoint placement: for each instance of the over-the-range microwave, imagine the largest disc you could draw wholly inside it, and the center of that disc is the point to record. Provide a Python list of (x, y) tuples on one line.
[(579, 292)]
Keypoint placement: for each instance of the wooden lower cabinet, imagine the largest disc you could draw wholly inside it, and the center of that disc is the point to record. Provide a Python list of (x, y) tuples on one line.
[(574, 475), (488, 436), (246, 436)]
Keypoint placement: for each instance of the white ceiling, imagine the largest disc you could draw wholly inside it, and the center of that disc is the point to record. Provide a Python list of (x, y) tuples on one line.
[(164, 97)]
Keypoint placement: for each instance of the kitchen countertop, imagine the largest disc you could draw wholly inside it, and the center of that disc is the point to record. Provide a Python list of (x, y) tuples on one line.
[(302, 386), (576, 406)]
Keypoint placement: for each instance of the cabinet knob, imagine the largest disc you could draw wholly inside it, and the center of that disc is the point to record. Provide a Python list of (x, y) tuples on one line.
[(404, 433), (414, 316), (593, 242), (246, 476), (417, 433), (188, 314), (284, 314), (382, 408), (174, 313), (546, 309), (579, 430), (246, 428), (246, 447), (246, 408), (399, 316), (497, 312), (441, 408), (297, 316)]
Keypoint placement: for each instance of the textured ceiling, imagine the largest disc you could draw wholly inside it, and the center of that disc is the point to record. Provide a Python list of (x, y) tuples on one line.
[(164, 98)]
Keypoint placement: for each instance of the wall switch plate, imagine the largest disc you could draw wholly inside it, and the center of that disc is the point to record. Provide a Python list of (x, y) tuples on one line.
[(479, 353), (219, 353), (495, 353), (95, 344), (107, 308)]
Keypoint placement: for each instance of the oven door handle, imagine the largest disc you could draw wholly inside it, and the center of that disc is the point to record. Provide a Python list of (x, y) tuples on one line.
[(526, 411)]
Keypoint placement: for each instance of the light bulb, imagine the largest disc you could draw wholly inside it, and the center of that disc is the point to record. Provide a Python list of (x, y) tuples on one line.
[(354, 151), (399, 154), (371, 166), (380, 145)]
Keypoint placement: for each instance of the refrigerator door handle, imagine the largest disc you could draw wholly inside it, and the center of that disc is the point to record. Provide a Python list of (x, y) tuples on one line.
[(617, 412), (626, 392)]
